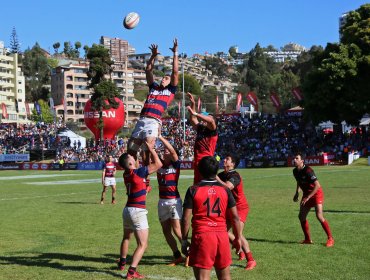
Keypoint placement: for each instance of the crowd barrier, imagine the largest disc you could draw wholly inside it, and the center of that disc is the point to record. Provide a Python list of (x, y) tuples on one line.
[(324, 159)]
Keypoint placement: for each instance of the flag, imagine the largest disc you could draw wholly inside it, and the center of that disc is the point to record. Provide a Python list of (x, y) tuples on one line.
[(16, 105), (5, 112), (28, 110), (252, 98), (199, 104), (51, 103), (297, 94), (238, 101), (38, 108), (275, 100), (179, 109), (216, 103), (64, 102)]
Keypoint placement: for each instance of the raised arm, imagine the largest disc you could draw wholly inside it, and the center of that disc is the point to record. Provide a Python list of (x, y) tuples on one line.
[(174, 156), (175, 64), (150, 65), (191, 109), (156, 163)]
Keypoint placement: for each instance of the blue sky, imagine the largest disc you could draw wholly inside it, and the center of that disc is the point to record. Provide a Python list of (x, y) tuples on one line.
[(200, 25)]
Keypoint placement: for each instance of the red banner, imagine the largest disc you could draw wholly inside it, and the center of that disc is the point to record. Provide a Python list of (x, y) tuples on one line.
[(238, 101), (252, 98), (28, 110), (5, 112), (179, 109), (297, 94), (275, 100), (199, 104)]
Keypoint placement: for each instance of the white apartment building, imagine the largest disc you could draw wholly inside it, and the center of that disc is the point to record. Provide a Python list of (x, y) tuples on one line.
[(12, 88)]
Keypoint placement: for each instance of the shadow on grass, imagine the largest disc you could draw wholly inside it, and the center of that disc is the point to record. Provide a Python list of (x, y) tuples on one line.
[(55, 261), (346, 212), (78, 202), (146, 260), (271, 241)]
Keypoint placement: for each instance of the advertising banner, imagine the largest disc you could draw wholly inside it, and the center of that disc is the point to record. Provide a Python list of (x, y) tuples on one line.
[(14, 157)]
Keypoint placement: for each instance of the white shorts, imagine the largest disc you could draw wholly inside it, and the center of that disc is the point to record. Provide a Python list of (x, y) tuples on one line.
[(135, 218), (146, 127), (169, 209), (109, 181)]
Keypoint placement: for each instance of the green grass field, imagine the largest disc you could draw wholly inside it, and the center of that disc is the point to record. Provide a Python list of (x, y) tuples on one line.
[(52, 227)]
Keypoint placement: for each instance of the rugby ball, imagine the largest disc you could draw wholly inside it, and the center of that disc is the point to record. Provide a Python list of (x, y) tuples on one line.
[(131, 20)]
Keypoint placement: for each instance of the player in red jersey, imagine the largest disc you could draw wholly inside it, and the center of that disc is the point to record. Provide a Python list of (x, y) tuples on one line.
[(232, 180), (170, 204), (206, 140), (208, 202), (108, 179), (313, 196), (135, 214)]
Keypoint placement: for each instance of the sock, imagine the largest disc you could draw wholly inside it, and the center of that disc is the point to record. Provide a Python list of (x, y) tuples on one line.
[(122, 260), (131, 270), (306, 230), (249, 256), (325, 226), (177, 254)]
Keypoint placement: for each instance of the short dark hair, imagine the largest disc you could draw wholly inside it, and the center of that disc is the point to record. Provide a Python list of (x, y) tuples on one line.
[(208, 167), (235, 159), (122, 161), (300, 154)]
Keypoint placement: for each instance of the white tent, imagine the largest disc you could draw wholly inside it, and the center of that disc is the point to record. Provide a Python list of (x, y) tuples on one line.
[(73, 137), (365, 120)]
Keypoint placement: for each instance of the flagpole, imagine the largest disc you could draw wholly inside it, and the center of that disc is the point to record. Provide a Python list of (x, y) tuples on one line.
[(183, 95)]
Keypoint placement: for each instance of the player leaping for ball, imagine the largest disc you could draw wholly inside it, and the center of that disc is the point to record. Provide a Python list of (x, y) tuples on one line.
[(159, 97)]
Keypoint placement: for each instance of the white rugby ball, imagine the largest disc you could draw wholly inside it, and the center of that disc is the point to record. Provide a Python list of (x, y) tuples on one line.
[(131, 20)]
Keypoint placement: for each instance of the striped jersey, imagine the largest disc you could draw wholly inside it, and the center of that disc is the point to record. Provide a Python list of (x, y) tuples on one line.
[(157, 100), (168, 178), (110, 168), (209, 201), (136, 187)]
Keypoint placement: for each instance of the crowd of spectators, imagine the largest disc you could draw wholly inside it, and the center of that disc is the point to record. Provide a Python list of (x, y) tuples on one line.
[(262, 137)]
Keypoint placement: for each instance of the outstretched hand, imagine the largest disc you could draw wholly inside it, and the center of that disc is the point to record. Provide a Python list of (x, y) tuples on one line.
[(174, 48), (191, 97), (154, 49)]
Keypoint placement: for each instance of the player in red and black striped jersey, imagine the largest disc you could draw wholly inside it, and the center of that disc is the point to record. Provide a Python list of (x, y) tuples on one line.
[(170, 204), (232, 180), (313, 196), (108, 179), (148, 127), (135, 213), (208, 202), (206, 140)]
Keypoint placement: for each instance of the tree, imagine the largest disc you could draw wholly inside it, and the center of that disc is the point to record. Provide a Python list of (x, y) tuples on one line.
[(56, 47), (45, 115), (37, 73), (337, 88), (233, 52), (191, 85), (104, 90), (14, 43)]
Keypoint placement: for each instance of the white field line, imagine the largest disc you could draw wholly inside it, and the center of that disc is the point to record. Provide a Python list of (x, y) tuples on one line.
[(46, 196), (36, 176), (291, 174)]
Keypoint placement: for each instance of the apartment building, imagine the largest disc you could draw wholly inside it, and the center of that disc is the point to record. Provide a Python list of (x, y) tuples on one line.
[(70, 92), (119, 49), (69, 88), (12, 88)]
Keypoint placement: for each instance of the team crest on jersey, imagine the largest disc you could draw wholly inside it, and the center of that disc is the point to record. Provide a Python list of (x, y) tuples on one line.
[(211, 191)]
